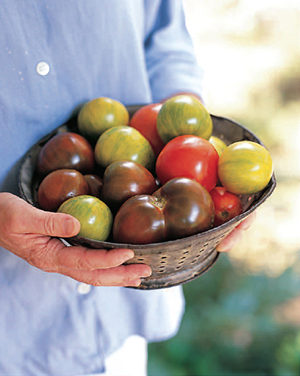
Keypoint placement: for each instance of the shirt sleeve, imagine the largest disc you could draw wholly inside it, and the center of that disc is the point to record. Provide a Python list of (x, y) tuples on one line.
[(171, 62)]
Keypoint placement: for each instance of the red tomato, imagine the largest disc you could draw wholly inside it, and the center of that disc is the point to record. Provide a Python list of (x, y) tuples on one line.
[(227, 205), (191, 157), (144, 120)]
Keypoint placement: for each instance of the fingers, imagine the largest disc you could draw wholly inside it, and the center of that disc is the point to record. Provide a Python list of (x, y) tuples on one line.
[(98, 267), (230, 241), (124, 275), (32, 234), (54, 224), (90, 259), (20, 217), (236, 235), (247, 223)]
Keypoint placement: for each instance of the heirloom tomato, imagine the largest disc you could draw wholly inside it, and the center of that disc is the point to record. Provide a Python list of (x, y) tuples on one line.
[(59, 186), (180, 208), (182, 115), (94, 216), (219, 144), (66, 150), (95, 184), (100, 114), (191, 157), (124, 179), (144, 120), (227, 205), (124, 143), (245, 167)]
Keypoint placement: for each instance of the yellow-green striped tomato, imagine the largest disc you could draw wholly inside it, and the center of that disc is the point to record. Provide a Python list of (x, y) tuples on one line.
[(245, 167), (183, 115), (100, 114), (94, 216), (124, 143), (218, 144)]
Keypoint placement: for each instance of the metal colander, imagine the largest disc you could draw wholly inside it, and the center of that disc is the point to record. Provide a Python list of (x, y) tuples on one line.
[(174, 262)]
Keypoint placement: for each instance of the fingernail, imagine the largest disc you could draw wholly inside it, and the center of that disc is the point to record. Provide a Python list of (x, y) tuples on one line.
[(146, 273), (127, 256), (71, 226), (135, 282), (222, 248)]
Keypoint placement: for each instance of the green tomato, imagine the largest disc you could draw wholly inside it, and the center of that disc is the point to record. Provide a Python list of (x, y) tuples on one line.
[(100, 114), (94, 216), (245, 167), (124, 143), (218, 144), (183, 115)]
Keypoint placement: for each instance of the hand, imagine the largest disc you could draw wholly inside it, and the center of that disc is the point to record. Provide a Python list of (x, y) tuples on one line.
[(30, 234), (235, 236)]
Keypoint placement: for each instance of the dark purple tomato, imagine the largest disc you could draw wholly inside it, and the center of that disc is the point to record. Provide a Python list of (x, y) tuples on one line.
[(95, 184), (182, 207), (60, 185), (124, 179), (66, 150)]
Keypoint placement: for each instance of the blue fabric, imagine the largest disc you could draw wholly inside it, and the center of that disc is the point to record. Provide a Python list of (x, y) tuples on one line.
[(134, 51)]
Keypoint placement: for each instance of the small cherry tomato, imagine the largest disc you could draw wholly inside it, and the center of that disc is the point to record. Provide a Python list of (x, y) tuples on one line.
[(94, 216), (124, 179), (182, 207), (191, 157), (144, 120), (227, 205), (183, 115), (66, 150), (59, 186), (245, 167)]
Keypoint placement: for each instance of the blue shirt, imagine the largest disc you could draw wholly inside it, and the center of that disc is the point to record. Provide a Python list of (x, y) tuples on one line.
[(135, 51)]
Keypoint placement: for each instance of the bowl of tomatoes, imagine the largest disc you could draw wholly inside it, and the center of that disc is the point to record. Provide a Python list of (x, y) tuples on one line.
[(168, 181)]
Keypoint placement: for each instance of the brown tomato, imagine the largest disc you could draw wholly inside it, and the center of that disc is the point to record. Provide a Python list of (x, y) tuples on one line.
[(180, 208), (59, 186), (124, 179), (66, 150), (95, 184)]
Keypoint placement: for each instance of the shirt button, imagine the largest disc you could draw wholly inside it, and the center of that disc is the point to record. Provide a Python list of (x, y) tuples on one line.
[(83, 288), (43, 68)]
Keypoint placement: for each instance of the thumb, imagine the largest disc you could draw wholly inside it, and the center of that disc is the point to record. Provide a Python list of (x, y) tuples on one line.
[(18, 216), (56, 224)]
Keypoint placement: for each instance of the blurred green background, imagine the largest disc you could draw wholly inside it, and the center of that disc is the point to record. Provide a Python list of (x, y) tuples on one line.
[(243, 316)]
